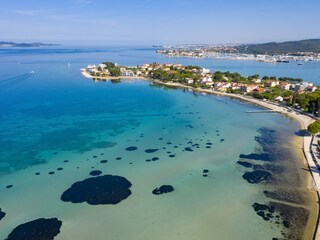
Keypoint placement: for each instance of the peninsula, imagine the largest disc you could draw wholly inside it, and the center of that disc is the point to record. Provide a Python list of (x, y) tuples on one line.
[(286, 91)]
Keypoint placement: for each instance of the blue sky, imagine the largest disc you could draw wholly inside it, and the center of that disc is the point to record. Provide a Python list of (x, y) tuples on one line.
[(159, 22)]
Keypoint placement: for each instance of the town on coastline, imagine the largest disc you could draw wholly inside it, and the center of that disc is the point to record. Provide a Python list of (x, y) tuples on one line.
[(285, 52), (228, 52), (286, 91)]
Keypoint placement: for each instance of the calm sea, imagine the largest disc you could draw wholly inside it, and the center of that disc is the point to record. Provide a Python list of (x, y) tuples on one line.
[(57, 126)]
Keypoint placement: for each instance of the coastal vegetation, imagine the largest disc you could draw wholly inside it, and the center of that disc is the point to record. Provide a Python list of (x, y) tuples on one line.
[(292, 47), (112, 68), (292, 92), (314, 128), (175, 74)]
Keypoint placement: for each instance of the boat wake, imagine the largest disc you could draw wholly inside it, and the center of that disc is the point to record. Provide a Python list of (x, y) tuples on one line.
[(15, 80)]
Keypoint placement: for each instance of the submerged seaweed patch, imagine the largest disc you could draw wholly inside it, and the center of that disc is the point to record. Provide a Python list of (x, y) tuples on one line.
[(188, 149), (95, 173), (151, 150), (245, 164), (264, 211), (257, 176), (163, 189), (39, 229), (107, 189), (256, 156), (2, 214), (132, 148)]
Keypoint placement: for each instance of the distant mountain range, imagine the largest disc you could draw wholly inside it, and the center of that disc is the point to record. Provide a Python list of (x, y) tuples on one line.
[(36, 44), (291, 47)]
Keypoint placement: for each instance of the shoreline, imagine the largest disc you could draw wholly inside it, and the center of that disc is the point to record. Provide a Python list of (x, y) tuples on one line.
[(87, 75), (306, 141), (304, 121)]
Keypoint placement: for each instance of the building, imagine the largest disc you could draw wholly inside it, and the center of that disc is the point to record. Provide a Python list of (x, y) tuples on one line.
[(259, 90), (311, 88), (205, 71), (206, 79), (256, 80), (91, 66), (271, 83), (248, 88), (303, 86), (144, 66), (128, 73), (279, 99), (190, 81), (285, 86), (222, 86)]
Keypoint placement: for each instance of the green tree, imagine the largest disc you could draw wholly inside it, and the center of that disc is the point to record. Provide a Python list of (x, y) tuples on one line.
[(314, 128), (114, 72)]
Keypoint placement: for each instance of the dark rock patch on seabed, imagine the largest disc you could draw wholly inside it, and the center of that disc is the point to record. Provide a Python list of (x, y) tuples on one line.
[(103, 161), (188, 149), (40, 229), (2, 214), (132, 148), (245, 164), (95, 173), (163, 189), (256, 156), (107, 189), (151, 150), (264, 211), (257, 176)]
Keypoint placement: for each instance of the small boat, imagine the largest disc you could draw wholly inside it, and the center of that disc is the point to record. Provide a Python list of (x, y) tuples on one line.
[(300, 64), (32, 72)]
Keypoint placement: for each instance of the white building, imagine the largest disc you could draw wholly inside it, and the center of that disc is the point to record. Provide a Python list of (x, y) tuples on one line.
[(128, 73), (206, 79), (279, 99), (303, 85), (205, 71), (91, 66)]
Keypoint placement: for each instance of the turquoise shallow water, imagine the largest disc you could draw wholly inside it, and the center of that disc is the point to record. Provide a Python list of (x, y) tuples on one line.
[(55, 114)]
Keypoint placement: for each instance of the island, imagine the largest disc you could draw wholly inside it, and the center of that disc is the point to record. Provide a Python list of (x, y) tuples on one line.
[(36, 44)]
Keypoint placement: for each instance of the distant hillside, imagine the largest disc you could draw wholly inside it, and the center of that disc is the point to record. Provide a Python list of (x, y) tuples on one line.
[(292, 47), (13, 44)]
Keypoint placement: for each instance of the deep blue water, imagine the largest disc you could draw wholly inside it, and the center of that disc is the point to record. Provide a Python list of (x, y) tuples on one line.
[(80, 56)]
